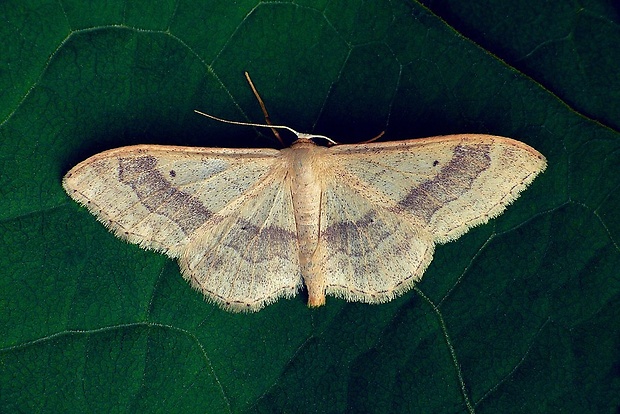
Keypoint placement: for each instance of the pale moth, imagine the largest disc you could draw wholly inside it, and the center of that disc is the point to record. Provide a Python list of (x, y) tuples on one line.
[(249, 226)]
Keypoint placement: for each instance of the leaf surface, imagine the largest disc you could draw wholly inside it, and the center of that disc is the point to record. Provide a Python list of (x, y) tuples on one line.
[(519, 315)]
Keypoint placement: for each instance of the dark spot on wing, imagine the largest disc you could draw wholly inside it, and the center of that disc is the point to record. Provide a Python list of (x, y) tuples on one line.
[(159, 196), (453, 180)]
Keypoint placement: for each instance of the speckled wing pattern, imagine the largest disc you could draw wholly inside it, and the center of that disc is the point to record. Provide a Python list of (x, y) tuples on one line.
[(226, 214), (232, 217), (393, 201)]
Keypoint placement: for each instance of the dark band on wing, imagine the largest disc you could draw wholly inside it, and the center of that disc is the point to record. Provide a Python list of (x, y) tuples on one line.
[(159, 196), (356, 238), (258, 244), (452, 181)]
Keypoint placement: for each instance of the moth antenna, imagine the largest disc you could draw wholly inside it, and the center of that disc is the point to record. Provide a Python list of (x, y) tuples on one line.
[(228, 121), (368, 141), (263, 107), (297, 134), (275, 132)]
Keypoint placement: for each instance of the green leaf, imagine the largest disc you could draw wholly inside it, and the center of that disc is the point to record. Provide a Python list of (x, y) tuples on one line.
[(519, 315)]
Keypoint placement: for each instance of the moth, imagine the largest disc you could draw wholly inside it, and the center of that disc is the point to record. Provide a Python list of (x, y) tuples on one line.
[(249, 226)]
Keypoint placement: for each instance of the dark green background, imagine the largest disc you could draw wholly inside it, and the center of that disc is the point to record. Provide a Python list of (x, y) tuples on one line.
[(520, 315)]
